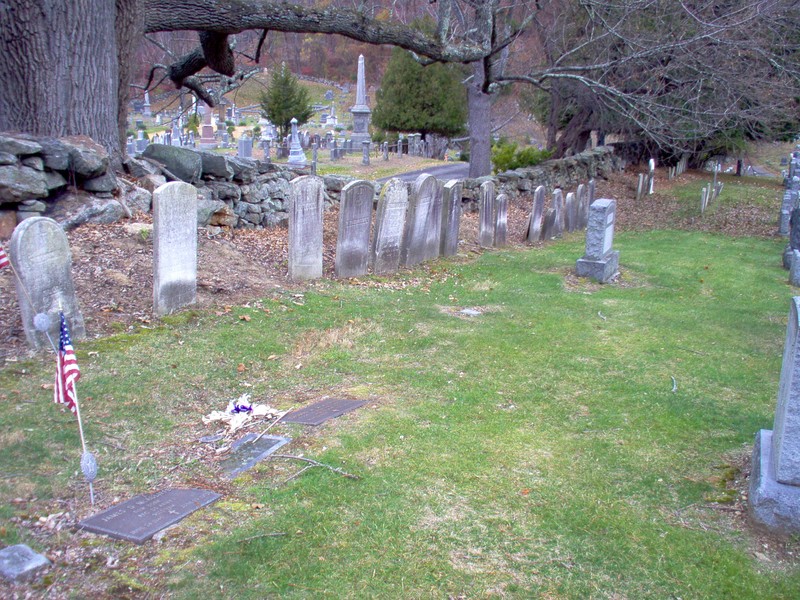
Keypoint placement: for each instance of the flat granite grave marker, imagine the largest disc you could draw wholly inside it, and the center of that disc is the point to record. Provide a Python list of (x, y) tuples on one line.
[(319, 412), (423, 222), (451, 217), (600, 262), (174, 247), (20, 563), (39, 252), (775, 476), (486, 215), (305, 228), (537, 212), (355, 219), (248, 451), (140, 518), (390, 220)]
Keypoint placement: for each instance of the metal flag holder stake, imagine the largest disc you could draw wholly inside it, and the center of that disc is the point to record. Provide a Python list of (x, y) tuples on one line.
[(41, 322)]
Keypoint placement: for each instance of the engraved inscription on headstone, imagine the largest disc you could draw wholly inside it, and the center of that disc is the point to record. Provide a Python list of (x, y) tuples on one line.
[(305, 228), (40, 253), (355, 219), (423, 224), (486, 216), (451, 217), (389, 226), (138, 519), (174, 247)]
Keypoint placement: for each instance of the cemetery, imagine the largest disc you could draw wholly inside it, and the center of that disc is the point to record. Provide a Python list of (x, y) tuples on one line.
[(441, 311)]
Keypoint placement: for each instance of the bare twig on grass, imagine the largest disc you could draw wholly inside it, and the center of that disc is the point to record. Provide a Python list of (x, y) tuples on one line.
[(271, 425), (313, 463), (674, 385)]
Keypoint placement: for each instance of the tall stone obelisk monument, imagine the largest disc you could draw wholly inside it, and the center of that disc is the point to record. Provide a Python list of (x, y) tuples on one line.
[(360, 111)]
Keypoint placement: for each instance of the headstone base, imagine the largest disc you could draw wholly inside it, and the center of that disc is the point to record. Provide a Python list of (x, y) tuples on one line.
[(602, 271), (773, 506), (20, 563)]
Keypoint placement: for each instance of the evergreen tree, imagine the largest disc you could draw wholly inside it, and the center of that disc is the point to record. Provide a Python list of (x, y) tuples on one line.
[(429, 99), (284, 100)]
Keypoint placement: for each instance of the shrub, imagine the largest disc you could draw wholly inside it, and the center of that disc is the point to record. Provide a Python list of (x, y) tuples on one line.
[(506, 157)]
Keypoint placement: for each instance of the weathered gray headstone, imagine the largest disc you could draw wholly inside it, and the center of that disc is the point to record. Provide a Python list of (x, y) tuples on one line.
[(584, 197), (570, 212), (365, 152), (592, 187), (20, 563), (451, 217), (558, 207), (250, 450), (390, 222), (651, 175), (305, 228), (537, 213), (140, 518), (355, 219), (423, 223), (600, 262), (775, 477), (501, 220), (549, 225), (640, 186), (39, 252), (174, 247), (794, 270), (486, 215)]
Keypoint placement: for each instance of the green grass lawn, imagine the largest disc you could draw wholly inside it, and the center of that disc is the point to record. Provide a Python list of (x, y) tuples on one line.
[(537, 450)]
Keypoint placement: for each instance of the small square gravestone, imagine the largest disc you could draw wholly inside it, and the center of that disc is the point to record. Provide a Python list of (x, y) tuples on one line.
[(140, 518), (319, 412), (250, 450), (600, 262), (20, 563)]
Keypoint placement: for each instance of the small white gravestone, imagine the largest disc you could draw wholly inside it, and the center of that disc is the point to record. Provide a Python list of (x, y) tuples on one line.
[(174, 247), (305, 228), (39, 252), (600, 262)]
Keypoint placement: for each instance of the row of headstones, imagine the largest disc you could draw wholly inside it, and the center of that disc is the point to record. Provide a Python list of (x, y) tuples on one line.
[(646, 181), (678, 169), (709, 195), (410, 227), (566, 213)]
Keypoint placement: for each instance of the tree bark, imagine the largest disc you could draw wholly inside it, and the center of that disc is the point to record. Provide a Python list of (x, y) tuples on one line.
[(59, 69), (480, 124)]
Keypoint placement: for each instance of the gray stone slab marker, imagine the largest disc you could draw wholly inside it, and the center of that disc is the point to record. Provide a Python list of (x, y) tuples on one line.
[(248, 451), (39, 252), (558, 207), (537, 213), (600, 262), (140, 518), (486, 215), (174, 247), (305, 228), (20, 563), (423, 222), (501, 220), (319, 412), (582, 197), (451, 217), (355, 220), (775, 478), (390, 222), (570, 213)]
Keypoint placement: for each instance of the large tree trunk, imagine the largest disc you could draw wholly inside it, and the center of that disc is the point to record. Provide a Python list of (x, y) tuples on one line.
[(59, 69), (129, 28), (480, 124)]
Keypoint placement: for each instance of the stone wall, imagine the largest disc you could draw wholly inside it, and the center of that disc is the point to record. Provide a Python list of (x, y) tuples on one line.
[(69, 180)]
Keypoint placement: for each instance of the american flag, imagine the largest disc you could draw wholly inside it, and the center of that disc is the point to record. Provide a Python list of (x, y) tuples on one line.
[(3, 258), (67, 371)]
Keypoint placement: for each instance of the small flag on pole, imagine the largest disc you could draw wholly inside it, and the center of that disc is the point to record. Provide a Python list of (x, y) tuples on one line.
[(67, 371), (4, 262)]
